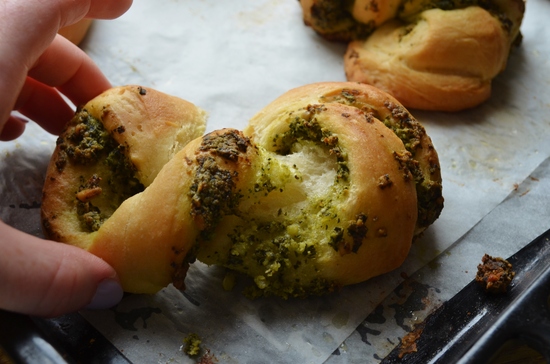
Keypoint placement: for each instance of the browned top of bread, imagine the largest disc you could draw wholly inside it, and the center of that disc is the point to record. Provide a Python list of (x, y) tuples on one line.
[(446, 61), (373, 102)]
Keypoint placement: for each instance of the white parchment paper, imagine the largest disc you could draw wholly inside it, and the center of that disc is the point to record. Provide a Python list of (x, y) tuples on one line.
[(232, 59)]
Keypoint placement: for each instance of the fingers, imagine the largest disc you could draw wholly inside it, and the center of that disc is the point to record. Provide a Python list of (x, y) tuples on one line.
[(42, 277), (106, 9), (44, 105), (63, 67), (14, 127), (64, 12), (45, 278), (71, 11), (70, 70), (27, 29)]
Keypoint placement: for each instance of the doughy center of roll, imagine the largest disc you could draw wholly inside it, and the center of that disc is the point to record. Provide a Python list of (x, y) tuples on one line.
[(307, 172)]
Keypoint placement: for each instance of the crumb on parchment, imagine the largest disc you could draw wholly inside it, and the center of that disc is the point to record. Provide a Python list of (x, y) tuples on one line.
[(192, 344)]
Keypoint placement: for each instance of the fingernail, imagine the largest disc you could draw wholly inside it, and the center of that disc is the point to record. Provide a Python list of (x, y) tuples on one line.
[(19, 118), (108, 293)]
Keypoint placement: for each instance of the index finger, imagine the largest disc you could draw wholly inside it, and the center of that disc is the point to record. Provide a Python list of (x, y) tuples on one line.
[(34, 23), (66, 68), (28, 27), (70, 70)]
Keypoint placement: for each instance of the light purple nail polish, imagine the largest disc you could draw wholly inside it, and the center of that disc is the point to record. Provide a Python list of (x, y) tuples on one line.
[(108, 293)]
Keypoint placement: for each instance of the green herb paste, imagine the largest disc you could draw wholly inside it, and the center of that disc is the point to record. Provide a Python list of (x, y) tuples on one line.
[(281, 228), (111, 178)]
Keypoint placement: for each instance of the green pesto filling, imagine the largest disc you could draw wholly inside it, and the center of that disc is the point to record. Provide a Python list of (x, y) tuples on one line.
[(265, 183), (401, 122), (429, 193), (87, 143), (280, 256), (430, 202), (229, 145), (282, 228), (212, 191), (192, 344), (86, 140), (334, 20), (89, 215)]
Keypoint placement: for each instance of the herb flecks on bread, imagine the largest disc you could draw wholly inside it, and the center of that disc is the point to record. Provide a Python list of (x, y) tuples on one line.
[(108, 176), (332, 199)]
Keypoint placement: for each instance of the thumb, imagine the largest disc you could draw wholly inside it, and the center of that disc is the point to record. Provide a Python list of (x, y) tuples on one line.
[(45, 278)]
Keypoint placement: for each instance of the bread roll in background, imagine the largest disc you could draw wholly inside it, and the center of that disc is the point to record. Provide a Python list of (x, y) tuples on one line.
[(445, 61), (429, 55), (347, 20), (77, 31)]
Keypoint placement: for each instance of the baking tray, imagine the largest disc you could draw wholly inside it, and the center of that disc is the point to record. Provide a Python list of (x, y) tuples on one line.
[(469, 328)]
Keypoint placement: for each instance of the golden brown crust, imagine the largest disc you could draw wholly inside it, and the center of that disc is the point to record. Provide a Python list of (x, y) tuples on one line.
[(378, 187), (382, 107), (428, 54), (446, 61), (156, 125)]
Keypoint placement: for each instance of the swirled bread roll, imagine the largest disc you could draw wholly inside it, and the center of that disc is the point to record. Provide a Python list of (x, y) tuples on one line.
[(429, 55), (112, 149), (327, 186), (343, 181), (445, 61)]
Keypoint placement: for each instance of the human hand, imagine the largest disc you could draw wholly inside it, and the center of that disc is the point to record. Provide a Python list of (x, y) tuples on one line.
[(41, 277), (35, 62)]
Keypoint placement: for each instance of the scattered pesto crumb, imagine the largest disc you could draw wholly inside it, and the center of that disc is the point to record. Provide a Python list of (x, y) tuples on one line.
[(192, 344), (229, 280)]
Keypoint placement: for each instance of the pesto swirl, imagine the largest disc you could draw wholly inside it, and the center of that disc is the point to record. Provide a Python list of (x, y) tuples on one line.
[(111, 176)]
